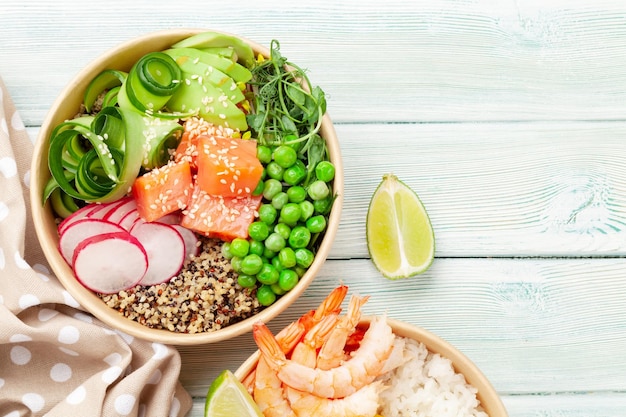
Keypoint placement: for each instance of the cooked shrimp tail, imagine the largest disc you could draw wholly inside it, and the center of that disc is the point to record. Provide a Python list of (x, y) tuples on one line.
[(361, 369), (306, 351), (332, 351), (268, 389)]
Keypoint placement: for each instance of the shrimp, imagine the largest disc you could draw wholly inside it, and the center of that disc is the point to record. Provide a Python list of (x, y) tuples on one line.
[(305, 352), (332, 352), (330, 305), (363, 403), (267, 388), (361, 369)]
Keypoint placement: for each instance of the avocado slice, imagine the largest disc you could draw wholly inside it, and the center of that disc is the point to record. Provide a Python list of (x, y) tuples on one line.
[(210, 103), (245, 54), (198, 70), (236, 71)]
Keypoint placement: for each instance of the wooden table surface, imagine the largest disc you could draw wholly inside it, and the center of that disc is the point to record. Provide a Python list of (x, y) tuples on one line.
[(507, 117)]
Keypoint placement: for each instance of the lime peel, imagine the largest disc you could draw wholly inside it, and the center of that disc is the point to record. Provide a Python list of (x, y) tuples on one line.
[(400, 237), (227, 396)]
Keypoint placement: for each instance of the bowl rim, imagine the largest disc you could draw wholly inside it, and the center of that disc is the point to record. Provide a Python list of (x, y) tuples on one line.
[(46, 230), (487, 394)]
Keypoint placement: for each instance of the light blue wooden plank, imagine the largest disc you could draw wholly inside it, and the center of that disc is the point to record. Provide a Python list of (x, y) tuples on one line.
[(495, 189), (443, 60)]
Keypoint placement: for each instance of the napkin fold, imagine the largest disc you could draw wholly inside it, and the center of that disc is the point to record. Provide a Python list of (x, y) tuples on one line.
[(55, 358)]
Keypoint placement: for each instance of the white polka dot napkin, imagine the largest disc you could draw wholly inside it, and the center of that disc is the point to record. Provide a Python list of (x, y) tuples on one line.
[(55, 359)]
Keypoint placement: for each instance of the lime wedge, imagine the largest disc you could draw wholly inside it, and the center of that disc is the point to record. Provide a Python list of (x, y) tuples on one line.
[(228, 397), (400, 238)]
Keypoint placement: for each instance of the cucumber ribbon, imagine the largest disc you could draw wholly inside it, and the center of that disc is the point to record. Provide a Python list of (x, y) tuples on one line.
[(97, 158)]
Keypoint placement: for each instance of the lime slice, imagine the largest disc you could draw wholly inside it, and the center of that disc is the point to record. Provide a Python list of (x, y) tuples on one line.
[(400, 238), (228, 397)]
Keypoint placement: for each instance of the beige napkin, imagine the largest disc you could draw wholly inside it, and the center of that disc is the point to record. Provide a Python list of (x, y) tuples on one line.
[(56, 359)]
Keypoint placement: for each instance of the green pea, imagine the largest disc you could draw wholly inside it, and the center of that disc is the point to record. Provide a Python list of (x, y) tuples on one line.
[(257, 247), (279, 200), (296, 194), (264, 154), (318, 190), (276, 263), (239, 247), (304, 257), (295, 174), (258, 230), (316, 224), (287, 257), (275, 242), (246, 281), (299, 237), (271, 187), (226, 253), (285, 156), (260, 187), (290, 214), (235, 263), (288, 279), (323, 206), (292, 140), (325, 171), (268, 274), (265, 295), (277, 290), (300, 270), (251, 264), (268, 254), (307, 209), (275, 171), (283, 229), (268, 214)]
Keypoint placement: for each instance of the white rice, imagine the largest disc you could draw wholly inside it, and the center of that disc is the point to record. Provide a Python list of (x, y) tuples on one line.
[(427, 385)]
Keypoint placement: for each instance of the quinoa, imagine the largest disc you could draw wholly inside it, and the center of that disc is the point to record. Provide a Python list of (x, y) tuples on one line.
[(203, 297)]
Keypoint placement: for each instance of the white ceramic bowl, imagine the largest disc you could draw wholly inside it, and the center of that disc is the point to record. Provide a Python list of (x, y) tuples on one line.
[(487, 395), (65, 107)]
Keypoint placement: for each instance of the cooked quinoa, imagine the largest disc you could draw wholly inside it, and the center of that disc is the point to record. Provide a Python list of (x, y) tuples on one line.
[(203, 297)]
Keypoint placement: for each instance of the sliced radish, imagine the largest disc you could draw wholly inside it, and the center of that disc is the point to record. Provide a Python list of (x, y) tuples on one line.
[(117, 213), (80, 230), (165, 248), (81, 213), (129, 219), (99, 211), (190, 239), (110, 262)]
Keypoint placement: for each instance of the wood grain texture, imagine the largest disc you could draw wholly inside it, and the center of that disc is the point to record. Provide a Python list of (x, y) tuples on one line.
[(495, 189), (392, 61)]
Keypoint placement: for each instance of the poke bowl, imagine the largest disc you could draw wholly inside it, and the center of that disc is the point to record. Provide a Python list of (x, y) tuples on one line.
[(363, 365), (174, 198)]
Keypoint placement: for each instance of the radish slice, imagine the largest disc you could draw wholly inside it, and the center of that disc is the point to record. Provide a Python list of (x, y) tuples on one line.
[(165, 248), (81, 213), (119, 209), (190, 239), (129, 219), (80, 230), (99, 211), (110, 262)]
